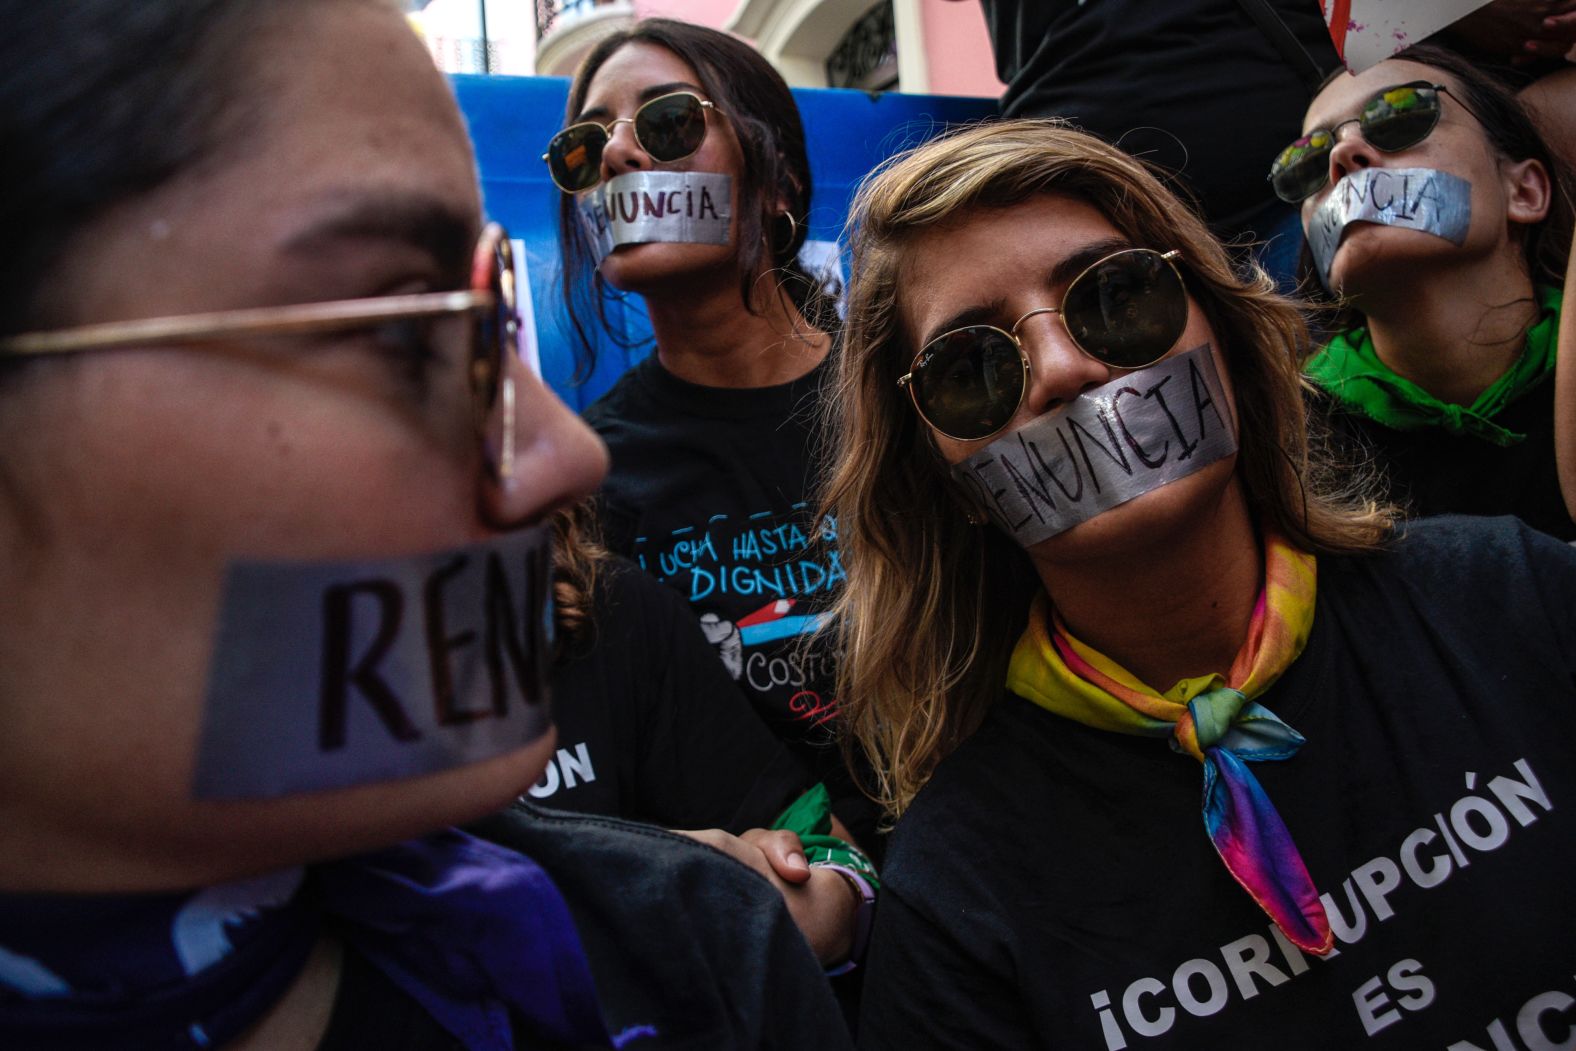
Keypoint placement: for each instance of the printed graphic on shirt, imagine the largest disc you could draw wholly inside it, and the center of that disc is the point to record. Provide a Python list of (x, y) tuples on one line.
[(1488, 817), (759, 585), (568, 768)]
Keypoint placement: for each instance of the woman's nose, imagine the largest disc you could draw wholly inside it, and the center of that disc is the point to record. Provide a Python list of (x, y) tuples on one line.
[(1059, 370), (623, 152), (543, 456), (1351, 152)]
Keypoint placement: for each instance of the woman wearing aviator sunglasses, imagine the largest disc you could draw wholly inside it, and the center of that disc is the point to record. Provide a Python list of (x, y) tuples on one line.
[(272, 506), (711, 436), (1173, 593), (1442, 372)]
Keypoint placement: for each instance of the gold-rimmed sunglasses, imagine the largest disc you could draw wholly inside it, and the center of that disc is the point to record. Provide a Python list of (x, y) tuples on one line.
[(491, 303), (1127, 310), (668, 128)]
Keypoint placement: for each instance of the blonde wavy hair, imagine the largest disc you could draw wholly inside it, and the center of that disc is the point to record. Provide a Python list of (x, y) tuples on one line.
[(933, 604)]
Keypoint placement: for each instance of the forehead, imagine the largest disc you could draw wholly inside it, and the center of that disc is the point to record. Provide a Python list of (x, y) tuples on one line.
[(989, 258), (633, 68), (344, 112), (363, 102), (1344, 97)]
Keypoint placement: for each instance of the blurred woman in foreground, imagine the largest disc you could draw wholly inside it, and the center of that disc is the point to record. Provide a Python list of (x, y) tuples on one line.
[(275, 578)]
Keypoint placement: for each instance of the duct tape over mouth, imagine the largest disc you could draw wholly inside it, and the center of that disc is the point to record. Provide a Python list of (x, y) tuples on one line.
[(1434, 202), (331, 674), (641, 207), (1119, 441)]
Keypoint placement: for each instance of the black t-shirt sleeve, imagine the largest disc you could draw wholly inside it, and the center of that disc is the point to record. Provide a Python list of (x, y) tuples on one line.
[(924, 988), (1552, 569), (702, 757), (681, 939)]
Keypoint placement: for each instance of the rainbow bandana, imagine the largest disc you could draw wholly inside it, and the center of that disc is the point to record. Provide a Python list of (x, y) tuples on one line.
[(1213, 719)]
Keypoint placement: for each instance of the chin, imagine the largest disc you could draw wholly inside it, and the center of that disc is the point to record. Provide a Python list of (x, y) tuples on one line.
[(1147, 526), (237, 839), (648, 267), (1370, 258)]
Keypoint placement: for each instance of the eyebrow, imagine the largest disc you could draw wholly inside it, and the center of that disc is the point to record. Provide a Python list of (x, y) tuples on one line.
[(645, 96), (427, 223), (1063, 272)]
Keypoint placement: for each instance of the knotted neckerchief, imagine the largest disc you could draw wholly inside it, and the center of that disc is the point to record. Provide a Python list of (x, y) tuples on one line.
[(475, 933), (1349, 369), (1212, 718)]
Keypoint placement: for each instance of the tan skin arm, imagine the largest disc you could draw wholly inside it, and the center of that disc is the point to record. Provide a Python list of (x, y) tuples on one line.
[(1565, 394), (819, 900)]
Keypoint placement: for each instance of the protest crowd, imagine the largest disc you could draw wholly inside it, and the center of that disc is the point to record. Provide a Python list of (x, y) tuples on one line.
[(1135, 609)]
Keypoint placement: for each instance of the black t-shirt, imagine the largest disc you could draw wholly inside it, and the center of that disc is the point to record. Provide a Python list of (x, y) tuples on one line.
[(1193, 85), (1053, 886), (711, 491), (1433, 472), (688, 948), (650, 726)]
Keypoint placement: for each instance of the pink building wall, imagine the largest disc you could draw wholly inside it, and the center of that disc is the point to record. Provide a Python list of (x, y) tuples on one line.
[(957, 49), (701, 12)]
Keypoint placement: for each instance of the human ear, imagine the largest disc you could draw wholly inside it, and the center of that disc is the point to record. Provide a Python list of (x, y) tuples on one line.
[(1528, 190)]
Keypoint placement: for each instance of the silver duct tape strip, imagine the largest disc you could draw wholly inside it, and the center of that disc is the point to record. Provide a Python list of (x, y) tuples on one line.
[(640, 207), (326, 675), (1118, 441), (1434, 202)]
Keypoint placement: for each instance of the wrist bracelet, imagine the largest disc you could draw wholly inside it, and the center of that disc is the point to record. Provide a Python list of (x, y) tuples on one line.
[(863, 915)]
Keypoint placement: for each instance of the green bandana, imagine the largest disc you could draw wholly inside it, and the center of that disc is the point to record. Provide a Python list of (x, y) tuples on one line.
[(1349, 369)]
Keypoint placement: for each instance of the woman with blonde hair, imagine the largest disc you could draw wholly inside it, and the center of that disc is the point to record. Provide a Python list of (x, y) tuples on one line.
[(1081, 515)]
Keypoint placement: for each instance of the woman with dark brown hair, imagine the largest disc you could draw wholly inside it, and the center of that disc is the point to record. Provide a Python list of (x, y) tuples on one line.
[(1441, 223), (686, 182), (276, 577)]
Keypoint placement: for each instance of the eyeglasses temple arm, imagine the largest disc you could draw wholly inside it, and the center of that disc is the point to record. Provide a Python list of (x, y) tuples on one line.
[(262, 321)]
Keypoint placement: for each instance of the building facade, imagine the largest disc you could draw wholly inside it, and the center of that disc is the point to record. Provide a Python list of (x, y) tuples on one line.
[(914, 46)]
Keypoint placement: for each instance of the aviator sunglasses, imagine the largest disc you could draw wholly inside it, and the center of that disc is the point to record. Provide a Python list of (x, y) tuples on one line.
[(668, 128), (1395, 119), (490, 304), (1126, 310)]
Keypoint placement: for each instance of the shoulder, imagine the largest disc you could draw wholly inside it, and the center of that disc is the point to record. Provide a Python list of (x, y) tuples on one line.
[(627, 399), (678, 932), (625, 590), (1489, 576), (1460, 549), (979, 797)]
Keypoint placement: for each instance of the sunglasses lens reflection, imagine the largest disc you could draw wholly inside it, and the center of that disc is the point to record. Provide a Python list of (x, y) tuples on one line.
[(1396, 119), (574, 157), (1128, 310), (671, 127), (1302, 167), (970, 382), (1400, 117)]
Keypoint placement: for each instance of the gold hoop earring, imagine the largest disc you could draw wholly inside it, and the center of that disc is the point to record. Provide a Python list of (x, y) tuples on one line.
[(793, 228)]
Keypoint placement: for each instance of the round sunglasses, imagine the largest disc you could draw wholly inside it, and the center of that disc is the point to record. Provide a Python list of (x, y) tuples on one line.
[(668, 128), (1126, 310), (1394, 119), (490, 304)]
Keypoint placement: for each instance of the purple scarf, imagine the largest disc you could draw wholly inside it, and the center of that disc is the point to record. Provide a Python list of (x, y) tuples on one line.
[(475, 933)]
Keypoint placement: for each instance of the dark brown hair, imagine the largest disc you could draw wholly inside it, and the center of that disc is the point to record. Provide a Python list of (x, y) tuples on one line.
[(754, 99), (102, 101)]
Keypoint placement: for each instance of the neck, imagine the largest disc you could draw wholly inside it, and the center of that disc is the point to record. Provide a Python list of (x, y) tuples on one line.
[(300, 1018), (713, 340), (1454, 334), (1193, 594)]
